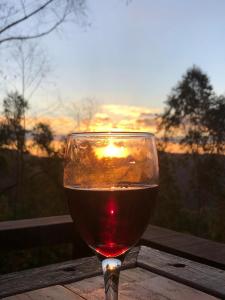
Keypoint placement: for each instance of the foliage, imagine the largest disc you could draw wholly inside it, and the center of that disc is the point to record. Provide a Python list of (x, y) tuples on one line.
[(13, 134), (176, 206), (5, 134), (168, 208), (195, 113), (43, 193), (215, 122), (198, 115), (189, 204), (43, 136), (14, 107)]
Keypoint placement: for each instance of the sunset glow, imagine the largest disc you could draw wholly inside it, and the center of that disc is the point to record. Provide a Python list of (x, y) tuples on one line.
[(110, 117)]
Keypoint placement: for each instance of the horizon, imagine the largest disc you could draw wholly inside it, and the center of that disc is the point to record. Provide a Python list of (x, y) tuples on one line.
[(113, 69)]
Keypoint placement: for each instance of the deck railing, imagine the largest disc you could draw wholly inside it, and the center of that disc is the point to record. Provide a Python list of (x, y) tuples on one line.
[(29, 233)]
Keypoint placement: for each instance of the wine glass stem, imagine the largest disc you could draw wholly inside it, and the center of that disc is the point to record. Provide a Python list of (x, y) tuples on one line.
[(111, 271)]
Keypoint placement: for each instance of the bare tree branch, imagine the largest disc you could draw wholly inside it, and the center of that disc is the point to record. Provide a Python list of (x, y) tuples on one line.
[(30, 37), (26, 16), (43, 18)]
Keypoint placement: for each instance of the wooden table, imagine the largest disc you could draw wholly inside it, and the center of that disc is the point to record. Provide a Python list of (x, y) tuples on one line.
[(147, 274)]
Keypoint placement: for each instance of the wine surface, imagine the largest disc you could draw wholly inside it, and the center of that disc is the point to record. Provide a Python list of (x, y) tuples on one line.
[(111, 221)]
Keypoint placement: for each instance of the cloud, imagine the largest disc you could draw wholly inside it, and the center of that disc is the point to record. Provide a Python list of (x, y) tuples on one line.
[(146, 122), (61, 125), (128, 111), (108, 118), (147, 115)]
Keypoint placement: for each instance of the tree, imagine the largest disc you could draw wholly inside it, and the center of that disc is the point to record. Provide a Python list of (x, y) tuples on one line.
[(82, 112), (169, 205), (43, 136), (27, 19), (215, 122), (195, 113), (26, 69), (14, 108), (5, 134), (13, 133), (187, 108), (28, 66)]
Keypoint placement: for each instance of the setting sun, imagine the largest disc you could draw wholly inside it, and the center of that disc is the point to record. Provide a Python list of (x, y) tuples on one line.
[(111, 150)]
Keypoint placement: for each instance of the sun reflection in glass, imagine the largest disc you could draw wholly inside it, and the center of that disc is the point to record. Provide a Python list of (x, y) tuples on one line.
[(111, 150)]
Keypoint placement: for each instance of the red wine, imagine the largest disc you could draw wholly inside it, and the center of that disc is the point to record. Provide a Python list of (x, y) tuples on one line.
[(111, 221)]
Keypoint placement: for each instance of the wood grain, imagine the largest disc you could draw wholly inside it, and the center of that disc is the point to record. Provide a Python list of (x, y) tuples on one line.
[(56, 292), (139, 284), (159, 276), (60, 273), (185, 245), (196, 275)]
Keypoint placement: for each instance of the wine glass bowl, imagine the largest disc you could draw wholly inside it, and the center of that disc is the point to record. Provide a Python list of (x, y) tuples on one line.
[(111, 182)]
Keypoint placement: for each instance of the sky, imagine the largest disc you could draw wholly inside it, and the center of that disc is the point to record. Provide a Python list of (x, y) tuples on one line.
[(134, 54), (131, 53)]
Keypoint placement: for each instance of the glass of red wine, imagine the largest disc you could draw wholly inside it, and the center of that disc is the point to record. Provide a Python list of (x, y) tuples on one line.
[(111, 182)]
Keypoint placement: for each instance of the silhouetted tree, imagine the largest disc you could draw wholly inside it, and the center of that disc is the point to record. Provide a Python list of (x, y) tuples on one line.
[(187, 108), (5, 134), (196, 114), (14, 108), (169, 205), (215, 123), (43, 136)]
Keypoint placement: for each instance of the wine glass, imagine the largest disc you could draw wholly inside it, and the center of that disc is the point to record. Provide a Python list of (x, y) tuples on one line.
[(111, 182)]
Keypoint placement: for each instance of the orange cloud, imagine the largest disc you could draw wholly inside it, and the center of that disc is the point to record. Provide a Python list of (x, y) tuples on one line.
[(110, 117), (124, 118)]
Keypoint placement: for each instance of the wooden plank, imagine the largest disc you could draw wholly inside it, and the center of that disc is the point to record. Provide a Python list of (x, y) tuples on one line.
[(56, 292), (22, 234), (29, 233), (139, 284), (35, 222), (185, 245), (202, 277), (65, 272)]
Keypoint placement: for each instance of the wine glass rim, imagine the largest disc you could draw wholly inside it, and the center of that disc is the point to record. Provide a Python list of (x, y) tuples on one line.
[(112, 133)]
